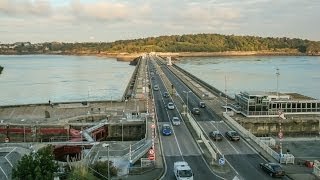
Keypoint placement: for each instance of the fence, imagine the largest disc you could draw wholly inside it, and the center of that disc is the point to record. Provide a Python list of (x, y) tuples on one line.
[(285, 158), (316, 168)]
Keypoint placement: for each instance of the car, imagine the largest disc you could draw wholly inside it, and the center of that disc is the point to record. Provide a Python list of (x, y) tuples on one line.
[(152, 77), (156, 87), (170, 105), (232, 136), (216, 135), (165, 94), (175, 121), (195, 111), (273, 169), (202, 104), (166, 130)]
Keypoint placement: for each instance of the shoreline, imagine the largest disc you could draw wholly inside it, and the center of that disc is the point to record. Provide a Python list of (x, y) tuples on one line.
[(131, 56)]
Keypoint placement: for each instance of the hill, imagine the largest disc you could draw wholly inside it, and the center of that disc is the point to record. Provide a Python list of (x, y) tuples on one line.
[(175, 43)]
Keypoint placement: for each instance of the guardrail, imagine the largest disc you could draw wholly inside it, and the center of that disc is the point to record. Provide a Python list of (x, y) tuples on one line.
[(284, 158)]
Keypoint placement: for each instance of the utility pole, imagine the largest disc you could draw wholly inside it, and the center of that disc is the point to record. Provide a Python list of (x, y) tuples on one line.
[(225, 91)]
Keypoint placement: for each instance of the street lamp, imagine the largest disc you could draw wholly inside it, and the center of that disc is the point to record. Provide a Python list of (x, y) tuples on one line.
[(24, 130), (107, 146), (187, 99)]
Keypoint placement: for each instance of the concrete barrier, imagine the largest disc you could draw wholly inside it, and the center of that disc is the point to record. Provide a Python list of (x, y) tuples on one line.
[(203, 137)]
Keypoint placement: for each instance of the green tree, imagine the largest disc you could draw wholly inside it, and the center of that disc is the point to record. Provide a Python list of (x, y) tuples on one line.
[(101, 169), (36, 166)]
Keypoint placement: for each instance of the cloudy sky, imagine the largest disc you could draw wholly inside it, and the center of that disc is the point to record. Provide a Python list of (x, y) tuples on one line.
[(110, 20)]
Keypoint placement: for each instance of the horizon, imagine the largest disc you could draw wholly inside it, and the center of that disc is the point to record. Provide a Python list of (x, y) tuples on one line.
[(71, 21)]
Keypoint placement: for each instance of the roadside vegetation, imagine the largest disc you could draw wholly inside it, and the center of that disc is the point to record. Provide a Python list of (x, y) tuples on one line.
[(41, 165), (1, 68), (37, 165), (174, 43)]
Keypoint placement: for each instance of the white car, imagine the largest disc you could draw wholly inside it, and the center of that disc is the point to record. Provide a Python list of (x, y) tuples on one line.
[(175, 121), (170, 105)]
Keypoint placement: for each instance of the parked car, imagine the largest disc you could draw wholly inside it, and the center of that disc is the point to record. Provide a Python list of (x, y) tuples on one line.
[(165, 94), (170, 105), (156, 87), (273, 169), (232, 136), (175, 121), (202, 104), (195, 111), (166, 130), (216, 135)]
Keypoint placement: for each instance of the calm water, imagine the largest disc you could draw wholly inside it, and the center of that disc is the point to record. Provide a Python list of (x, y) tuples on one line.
[(39, 78), (299, 74)]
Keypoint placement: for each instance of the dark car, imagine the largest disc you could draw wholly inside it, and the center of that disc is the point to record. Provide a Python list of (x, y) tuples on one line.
[(216, 135), (273, 169), (166, 130), (232, 136), (156, 87), (202, 104), (195, 111), (165, 94)]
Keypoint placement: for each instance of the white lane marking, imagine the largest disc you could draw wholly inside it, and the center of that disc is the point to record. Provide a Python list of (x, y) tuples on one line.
[(225, 138)]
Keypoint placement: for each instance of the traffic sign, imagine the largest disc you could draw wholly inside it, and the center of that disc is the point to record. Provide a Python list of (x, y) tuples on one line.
[(222, 161), (151, 151), (280, 134), (151, 157)]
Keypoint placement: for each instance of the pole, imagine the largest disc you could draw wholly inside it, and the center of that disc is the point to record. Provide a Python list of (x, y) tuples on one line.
[(108, 163), (24, 133), (122, 130), (225, 91), (278, 74)]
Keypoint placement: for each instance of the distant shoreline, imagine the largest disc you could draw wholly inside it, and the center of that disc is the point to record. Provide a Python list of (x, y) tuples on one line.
[(131, 56)]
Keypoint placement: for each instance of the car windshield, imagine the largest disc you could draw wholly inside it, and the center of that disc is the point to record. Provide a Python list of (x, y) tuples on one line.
[(185, 173), (175, 119), (277, 168), (233, 133)]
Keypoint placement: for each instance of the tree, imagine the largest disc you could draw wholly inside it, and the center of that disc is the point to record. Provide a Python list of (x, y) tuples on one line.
[(36, 166)]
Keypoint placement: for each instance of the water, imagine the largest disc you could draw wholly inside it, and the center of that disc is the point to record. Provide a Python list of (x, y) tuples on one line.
[(39, 78), (300, 74)]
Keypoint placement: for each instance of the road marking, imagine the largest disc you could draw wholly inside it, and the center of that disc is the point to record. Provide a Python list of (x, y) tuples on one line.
[(225, 138)]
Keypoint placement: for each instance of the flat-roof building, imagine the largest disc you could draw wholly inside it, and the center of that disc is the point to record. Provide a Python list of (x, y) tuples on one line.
[(256, 103)]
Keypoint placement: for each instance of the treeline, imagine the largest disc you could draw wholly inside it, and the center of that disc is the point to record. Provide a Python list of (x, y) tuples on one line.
[(1, 68), (184, 43)]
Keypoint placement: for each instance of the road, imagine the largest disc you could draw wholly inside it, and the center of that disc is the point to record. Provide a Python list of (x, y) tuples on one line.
[(242, 158), (180, 145)]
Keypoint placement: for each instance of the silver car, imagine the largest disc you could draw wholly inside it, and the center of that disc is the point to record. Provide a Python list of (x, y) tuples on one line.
[(175, 121), (170, 105)]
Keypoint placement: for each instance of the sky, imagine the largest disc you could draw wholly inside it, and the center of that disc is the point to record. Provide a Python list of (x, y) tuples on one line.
[(109, 20)]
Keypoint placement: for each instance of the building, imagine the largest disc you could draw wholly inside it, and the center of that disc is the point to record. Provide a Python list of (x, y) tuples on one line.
[(259, 104)]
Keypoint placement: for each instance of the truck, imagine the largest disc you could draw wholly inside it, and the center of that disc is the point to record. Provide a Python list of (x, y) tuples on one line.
[(182, 171)]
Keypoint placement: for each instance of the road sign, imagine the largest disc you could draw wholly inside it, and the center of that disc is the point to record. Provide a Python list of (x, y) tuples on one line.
[(280, 134), (151, 151), (151, 157), (221, 161), (153, 126)]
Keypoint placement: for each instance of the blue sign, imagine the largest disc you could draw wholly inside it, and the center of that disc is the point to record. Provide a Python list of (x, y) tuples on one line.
[(222, 161)]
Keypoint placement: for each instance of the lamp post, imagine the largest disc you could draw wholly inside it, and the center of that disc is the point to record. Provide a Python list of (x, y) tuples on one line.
[(24, 130), (187, 100), (107, 146)]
